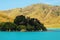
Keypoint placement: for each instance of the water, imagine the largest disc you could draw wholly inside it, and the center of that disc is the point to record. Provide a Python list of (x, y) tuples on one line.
[(54, 29), (49, 35)]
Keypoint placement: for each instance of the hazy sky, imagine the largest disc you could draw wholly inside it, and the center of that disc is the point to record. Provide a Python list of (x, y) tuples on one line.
[(9, 4)]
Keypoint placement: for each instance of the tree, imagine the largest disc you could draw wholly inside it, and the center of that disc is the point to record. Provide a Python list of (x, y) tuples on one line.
[(21, 27), (29, 23), (20, 20), (8, 26), (37, 25), (30, 28), (43, 28)]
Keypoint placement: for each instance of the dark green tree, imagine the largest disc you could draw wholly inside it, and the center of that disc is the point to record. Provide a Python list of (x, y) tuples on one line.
[(29, 28), (20, 20), (8, 26), (20, 27), (31, 24), (37, 25)]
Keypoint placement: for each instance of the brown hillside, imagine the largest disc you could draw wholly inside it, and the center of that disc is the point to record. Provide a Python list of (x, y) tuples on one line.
[(47, 14)]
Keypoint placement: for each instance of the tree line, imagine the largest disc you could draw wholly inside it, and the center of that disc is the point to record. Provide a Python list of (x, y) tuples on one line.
[(21, 23)]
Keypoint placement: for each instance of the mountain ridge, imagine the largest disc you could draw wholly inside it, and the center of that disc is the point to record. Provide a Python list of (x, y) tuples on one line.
[(47, 14)]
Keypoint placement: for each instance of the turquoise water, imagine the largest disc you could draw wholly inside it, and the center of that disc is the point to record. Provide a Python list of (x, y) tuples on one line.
[(49, 35), (29, 35)]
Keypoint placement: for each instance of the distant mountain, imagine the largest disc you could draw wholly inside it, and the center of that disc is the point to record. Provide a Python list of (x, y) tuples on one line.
[(47, 14)]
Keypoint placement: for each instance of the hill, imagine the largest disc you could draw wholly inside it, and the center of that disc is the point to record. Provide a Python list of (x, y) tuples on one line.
[(47, 14)]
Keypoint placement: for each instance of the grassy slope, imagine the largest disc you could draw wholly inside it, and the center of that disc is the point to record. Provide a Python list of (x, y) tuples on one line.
[(53, 26), (47, 14)]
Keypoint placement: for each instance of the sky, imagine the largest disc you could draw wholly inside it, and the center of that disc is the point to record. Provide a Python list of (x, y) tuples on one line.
[(10, 4)]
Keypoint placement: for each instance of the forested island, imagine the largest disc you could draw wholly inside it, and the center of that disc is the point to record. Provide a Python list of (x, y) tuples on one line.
[(21, 23)]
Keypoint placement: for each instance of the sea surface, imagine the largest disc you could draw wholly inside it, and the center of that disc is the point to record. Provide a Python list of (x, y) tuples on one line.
[(52, 34)]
